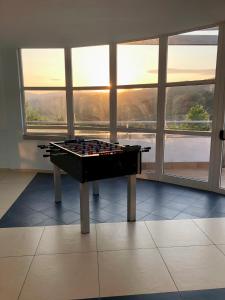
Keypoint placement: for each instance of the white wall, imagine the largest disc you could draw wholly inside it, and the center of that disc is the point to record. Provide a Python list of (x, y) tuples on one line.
[(15, 153)]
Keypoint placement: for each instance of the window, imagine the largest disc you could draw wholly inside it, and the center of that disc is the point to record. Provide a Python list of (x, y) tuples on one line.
[(161, 99), (137, 93), (187, 156), (137, 108), (44, 91), (90, 72), (91, 109), (191, 65), (192, 56), (90, 66), (189, 107), (137, 62), (43, 67)]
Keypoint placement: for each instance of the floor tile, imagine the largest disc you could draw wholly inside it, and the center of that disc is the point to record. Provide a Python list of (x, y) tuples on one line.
[(166, 212), (2, 212), (9, 194), (13, 271), (221, 247), (183, 216), (62, 276), (215, 294), (214, 228), (128, 272), (197, 267), (176, 233), (66, 239), (14, 220), (154, 296), (116, 236), (19, 241), (17, 177), (198, 212)]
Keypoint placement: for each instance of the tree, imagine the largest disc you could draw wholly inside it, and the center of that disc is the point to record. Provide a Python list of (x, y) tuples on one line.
[(197, 113)]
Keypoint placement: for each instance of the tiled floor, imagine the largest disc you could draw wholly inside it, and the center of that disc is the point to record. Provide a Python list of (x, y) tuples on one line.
[(58, 262), (155, 201), (150, 259)]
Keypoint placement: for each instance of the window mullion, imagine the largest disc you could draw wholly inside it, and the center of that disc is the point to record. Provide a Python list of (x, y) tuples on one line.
[(69, 92), (161, 106), (22, 95), (113, 92)]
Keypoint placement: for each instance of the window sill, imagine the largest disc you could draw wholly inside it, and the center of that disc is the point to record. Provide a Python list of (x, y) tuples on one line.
[(40, 137)]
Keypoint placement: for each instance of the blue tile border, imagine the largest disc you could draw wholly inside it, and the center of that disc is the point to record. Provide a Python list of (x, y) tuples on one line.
[(212, 294), (155, 201)]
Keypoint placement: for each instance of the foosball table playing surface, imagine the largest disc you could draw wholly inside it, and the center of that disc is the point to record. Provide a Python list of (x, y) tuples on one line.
[(90, 160)]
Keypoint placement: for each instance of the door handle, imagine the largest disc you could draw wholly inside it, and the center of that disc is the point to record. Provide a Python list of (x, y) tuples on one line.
[(222, 135)]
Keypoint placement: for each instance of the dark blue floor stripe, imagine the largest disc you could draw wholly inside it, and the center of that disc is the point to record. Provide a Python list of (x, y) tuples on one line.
[(212, 294), (155, 201)]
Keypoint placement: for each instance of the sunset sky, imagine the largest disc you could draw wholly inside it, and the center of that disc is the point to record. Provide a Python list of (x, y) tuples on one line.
[(136, 64)]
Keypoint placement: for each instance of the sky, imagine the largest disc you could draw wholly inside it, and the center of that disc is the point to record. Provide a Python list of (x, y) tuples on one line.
[(136, 64)]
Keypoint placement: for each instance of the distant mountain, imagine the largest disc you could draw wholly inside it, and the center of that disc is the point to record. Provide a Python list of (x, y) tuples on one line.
[(132, 104)]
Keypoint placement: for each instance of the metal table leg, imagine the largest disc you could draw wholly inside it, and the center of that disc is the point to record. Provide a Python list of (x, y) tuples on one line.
[(95, 186), (84, 208), (57, 184), (131, 198)]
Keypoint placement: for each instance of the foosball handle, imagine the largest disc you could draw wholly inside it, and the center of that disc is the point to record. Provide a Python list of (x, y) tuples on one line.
[(42, 146), (146, 149)]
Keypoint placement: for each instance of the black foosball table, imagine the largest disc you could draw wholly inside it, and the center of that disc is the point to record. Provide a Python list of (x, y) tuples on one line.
[(90, 160)]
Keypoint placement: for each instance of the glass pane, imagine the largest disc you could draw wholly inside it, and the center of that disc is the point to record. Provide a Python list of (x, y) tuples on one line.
[(93, 134), (145, 140), (189, 107), (90, 66), (137, 108), (91, 108), (45, 108), (187, 156), (192, 56), (43, 67), (137, 62)]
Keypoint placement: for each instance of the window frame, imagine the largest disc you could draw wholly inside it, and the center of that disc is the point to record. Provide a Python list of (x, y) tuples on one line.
[(24, 88)]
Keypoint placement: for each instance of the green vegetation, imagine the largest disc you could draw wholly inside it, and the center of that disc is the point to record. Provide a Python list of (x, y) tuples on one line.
[(187, 108), (198, 113), (33, 114)]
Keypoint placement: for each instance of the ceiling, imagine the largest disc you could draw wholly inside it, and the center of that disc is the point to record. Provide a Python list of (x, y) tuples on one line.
[(57, 23)]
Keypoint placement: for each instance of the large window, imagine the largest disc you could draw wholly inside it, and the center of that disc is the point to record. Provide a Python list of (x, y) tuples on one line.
[(191, 65), (155, 92)]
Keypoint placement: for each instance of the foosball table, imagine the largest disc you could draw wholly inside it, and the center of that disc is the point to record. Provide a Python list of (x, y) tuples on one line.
[(90, 160)]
